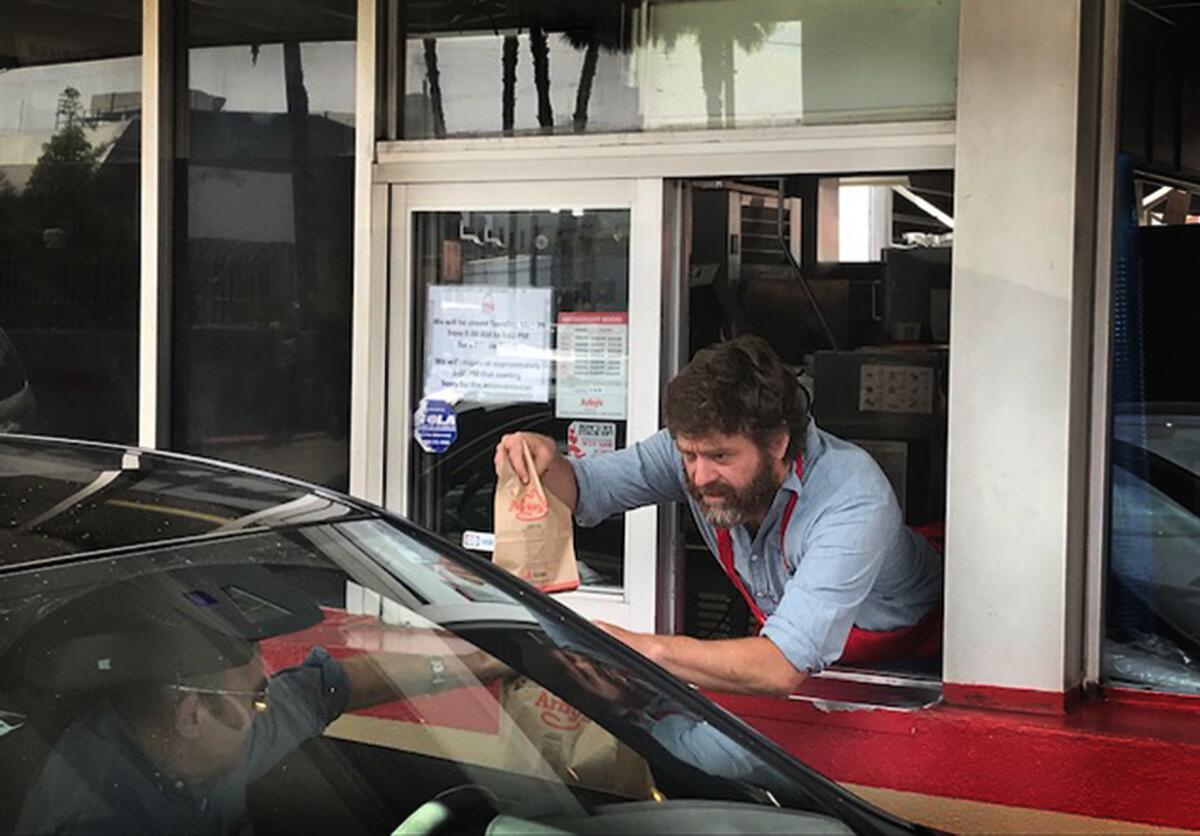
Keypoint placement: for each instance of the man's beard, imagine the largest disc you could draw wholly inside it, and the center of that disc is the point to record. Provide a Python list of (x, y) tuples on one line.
[(738, 507)]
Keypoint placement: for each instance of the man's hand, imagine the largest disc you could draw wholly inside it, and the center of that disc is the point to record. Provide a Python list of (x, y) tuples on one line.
[(736, 666), (555, 471), (542, 447)]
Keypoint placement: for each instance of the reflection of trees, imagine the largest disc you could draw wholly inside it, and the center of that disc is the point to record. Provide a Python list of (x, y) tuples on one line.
[(508, 64), (716, 39), (719, 30), (435, 87), (76, 215), (589, 27), (69, 275), (539, 48), (591, 35), (10, 211), (60, 191)]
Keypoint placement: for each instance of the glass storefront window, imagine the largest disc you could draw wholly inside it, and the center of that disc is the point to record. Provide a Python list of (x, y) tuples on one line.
[(1153, 607), (70, 160), (507, 301), (631, 65), (262, 294)]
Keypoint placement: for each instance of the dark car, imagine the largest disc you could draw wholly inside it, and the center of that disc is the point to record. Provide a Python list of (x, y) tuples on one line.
[(16, 398), (188, 646)]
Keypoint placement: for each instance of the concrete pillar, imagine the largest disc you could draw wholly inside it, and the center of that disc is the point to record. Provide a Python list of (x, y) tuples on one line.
[(1020, 353)]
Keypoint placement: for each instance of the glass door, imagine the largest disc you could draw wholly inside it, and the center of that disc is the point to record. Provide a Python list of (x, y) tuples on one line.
[(522, 307)]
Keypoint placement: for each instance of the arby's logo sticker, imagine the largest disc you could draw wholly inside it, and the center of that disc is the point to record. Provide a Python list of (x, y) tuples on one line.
[(529, 507)]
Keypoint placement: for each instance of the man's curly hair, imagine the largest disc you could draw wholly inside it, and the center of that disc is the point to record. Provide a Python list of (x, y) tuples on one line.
[(738, 387)]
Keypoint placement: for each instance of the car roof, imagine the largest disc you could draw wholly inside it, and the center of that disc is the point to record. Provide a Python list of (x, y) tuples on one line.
[(61, 497)]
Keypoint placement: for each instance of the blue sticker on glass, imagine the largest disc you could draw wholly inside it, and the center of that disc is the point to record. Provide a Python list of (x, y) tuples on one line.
[(435, 426), (200, 598)]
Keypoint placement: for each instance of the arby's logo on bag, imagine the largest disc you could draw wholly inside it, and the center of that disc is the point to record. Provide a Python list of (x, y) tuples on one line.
[(557, 714), (529, 507)]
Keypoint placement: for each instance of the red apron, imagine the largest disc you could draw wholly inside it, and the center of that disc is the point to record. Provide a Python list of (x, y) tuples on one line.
[(863, 647)]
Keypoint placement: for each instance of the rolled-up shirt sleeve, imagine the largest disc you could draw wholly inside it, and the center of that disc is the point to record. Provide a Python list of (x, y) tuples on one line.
[(301, 701), (843, 552), (647, 473)]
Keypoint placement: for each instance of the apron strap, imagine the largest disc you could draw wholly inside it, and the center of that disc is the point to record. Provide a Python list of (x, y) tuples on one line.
[(725, 552)]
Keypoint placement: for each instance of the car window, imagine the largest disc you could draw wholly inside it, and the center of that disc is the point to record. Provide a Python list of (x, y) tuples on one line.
[(340, 677), (59, 499)]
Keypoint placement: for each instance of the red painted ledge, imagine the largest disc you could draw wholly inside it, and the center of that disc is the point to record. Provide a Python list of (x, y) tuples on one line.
[(1023, 700), (1101, 758), (1153, 699)]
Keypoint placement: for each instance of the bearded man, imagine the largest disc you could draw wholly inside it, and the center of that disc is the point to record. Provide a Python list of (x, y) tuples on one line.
[(805, 525)]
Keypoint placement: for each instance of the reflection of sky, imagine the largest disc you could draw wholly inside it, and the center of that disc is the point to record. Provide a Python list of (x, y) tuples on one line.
[(29, 96), (257, 86), (472, 83), (767, 79)]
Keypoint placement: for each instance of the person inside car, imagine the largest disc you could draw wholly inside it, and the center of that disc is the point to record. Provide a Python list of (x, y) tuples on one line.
[(805, 525), (173, 748)]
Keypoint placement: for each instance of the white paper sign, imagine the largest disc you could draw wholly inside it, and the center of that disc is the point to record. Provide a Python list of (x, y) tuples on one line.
[(593, 365), (488, 344), (480, 541), (590, 438)]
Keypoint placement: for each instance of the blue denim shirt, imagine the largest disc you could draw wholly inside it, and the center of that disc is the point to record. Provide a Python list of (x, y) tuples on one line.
[(97, 781), (846, 559)]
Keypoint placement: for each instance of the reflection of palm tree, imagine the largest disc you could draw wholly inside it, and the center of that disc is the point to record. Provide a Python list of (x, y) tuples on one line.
[(716, 39), (509, 73), (600, 25), (717, 76), (591, 37), (587, 75), (435, 87), (540, 50)]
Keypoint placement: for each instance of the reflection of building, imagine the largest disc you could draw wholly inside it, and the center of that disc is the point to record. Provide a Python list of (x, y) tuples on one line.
[(110, 106)]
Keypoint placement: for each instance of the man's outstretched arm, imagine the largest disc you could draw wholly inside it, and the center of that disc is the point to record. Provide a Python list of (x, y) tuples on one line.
[(735, 666), (377, 678)]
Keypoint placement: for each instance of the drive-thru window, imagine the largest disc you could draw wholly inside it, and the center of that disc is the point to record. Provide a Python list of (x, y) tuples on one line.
[(557, 285), (357, 242)]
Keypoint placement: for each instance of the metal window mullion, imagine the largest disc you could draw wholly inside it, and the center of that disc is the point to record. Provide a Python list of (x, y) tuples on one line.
[(645, 384), (369, 337), (400, 360), (669, 603), (1101, 394), (159, 84)]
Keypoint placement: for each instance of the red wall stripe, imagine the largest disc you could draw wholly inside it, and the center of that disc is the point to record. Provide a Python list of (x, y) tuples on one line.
[(1101, 759)]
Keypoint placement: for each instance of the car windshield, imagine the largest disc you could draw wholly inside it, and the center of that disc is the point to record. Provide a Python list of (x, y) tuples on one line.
[(344, 677)]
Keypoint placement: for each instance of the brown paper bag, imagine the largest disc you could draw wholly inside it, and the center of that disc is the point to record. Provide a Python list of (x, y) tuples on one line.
[(535, 536), (580, 752)]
